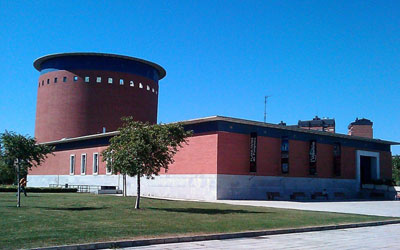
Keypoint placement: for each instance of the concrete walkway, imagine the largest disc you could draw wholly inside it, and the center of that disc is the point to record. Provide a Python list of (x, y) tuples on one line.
[(380, 208), (381, 237)]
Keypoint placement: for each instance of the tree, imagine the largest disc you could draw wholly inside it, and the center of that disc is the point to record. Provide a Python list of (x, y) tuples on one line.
[(396, 169), (142, 149), (19, 153)]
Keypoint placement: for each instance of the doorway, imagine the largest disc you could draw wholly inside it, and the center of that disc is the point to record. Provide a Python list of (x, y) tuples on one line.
[(365, 170), (368, 169)]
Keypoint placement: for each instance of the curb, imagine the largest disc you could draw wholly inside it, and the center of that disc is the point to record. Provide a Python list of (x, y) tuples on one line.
[(156, 241)]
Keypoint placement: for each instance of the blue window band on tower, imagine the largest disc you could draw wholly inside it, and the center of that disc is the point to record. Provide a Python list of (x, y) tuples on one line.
[(102, 62)]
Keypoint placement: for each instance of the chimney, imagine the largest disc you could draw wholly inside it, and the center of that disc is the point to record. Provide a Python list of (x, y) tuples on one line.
[(361, 127), (282, 123)]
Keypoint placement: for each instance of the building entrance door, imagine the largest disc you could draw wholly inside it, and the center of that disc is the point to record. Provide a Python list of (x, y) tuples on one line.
[(367, 167), (365, 170)]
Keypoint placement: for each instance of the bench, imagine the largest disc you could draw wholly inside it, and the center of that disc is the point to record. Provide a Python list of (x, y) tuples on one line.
[(272, 195), (296, 195), (379, 195), (318, 195), (339, 195), (109, 190)]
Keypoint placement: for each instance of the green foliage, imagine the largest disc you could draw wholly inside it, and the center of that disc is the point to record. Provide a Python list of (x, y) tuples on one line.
[(24, 148), (143, 149), (7, 175), (396, 169)]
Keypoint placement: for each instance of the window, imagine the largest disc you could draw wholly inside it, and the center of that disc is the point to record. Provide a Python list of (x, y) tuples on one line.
[(152, 90), (148, 87), (253, 152), (131, 84), (42, 82), (72, 164), (337, 152), (110, 80), (109, 167), (64, 79), (285, 155), (48, 81), (140, 85), (75, 78), (87, 79), (55, 80), (121, 81), (156, 92), (39, 84), (83, 164), (313, 157), (98, 79), (96, 163)]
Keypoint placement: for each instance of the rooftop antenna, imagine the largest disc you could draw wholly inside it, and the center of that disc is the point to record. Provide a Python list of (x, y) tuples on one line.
[(265, 107)]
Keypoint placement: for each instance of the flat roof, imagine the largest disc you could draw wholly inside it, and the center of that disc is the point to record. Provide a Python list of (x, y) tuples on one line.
[(38, 62), (239, 121), (271, 125)]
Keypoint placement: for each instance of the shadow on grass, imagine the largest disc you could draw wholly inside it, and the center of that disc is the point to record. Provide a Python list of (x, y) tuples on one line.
[(208, 211), (8, 200), (65, 208), (23, 196), (73, 208)]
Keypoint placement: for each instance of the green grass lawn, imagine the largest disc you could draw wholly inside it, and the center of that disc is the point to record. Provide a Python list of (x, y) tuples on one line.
[(57, 219)]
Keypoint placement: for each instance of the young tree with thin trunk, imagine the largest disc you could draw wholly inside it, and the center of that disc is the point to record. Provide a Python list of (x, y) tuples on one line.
[(20, 153), (142, 149)]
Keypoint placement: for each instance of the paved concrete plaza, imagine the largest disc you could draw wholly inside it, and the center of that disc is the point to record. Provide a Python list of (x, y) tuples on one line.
[(381, 208), (380, 237)]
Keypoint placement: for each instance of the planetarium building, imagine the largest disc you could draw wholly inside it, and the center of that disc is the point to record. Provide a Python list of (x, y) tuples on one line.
[(82, 96)]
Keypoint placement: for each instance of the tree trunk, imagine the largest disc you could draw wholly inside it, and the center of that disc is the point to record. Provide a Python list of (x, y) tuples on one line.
[(19, 187), (124, 184), (138, 193)]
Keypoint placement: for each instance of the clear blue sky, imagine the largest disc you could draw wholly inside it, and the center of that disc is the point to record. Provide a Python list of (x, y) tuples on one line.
[(338, 59)]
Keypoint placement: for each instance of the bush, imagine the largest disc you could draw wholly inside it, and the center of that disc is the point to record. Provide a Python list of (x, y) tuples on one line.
[(13, 188)]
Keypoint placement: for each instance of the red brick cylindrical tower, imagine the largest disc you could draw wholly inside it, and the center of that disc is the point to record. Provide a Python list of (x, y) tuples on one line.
[(86, 93)]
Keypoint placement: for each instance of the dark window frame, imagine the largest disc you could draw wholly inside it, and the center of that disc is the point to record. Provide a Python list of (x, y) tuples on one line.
[(285, 155), (313, 145)]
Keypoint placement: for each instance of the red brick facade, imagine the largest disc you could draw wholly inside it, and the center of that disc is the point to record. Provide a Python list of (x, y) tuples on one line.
[(59, 163), (361, 130), (234, 153), (228, 153), (199, 156), (77, 108)]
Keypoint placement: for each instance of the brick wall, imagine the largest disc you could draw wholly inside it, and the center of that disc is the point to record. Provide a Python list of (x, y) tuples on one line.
[(198, 157), (229, 153), (77, 108), (385, 162), (59, 163), (361, 130), (234, 154)]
